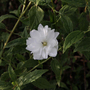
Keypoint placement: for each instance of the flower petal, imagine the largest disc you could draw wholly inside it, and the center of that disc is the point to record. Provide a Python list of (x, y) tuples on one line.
[(44, 53), (37, 56), (53, 52), (56, 34), (35, 34), (40, 27)]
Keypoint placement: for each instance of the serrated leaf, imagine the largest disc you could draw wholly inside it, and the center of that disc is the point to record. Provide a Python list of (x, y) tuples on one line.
[(12, 73), (84, 45), (72, 38), (30, 77), (36, 15), (5, 17), (67, 10), (67, 23), (19, 41), (42, 83)]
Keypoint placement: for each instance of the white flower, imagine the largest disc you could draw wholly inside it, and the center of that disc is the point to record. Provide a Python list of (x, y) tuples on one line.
[(42, 42)]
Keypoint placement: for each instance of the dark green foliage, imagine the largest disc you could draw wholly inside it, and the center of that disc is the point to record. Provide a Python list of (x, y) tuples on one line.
[(69, 70)]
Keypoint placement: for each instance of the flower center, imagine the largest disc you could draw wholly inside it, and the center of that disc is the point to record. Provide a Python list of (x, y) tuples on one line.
[(44, 43)]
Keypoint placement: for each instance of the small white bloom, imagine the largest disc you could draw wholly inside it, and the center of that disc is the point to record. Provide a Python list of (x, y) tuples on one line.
[(42, 42)]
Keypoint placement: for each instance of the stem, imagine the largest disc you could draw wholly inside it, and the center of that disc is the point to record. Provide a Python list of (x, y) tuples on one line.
[(24, 5), (16, 25), (42, 62), (53, 11)]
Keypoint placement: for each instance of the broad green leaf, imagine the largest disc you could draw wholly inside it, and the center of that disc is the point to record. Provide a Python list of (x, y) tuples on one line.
[(67, 10), (12, 73), (5, 17), (83, 22), (30, 77), (2, 26), (84, 45), (72, 38), (4, 85), (36, 15), (76, 3), (55, 66), (42, 83), (67, 23), (19, 41)]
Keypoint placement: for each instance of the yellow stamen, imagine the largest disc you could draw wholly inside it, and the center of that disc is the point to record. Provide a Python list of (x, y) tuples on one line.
[(44, 43)]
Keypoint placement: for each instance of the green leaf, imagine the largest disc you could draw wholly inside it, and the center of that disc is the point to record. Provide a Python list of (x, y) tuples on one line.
[(67, 10), (55, 66), (63, 85), (5, 17), (20, 57), (2, 26), (65, 67), (83, 22), (4, 36), (84, 45), (12, 73), (72, 38), (42, 83), (76, 3), (36, 15), (19, 49), (86, 54), (30, 63), (16, 12), (17, 88), (19, 41), (24, 33), (5, 76), (30, 77), (67, 23), (4, 85)]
